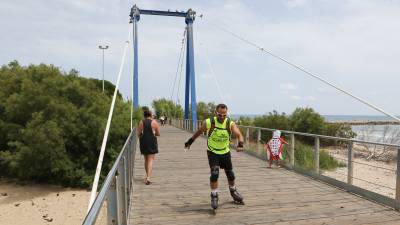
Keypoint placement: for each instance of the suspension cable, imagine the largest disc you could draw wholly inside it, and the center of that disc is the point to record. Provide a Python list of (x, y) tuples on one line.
[(179, 62), (106, 132), (303, 70), (213, 74), (180, 70)]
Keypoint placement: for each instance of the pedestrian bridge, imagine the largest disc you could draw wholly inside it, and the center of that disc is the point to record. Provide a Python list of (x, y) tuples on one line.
[(180, 192)]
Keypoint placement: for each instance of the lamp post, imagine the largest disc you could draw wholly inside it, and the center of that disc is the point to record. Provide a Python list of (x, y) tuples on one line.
[(103, 48)]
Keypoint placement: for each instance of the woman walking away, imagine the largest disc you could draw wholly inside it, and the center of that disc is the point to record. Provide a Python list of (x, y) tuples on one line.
[(147, 131)]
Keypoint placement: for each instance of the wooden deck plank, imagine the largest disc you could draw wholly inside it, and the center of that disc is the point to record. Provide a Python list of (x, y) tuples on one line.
[(180, 192)]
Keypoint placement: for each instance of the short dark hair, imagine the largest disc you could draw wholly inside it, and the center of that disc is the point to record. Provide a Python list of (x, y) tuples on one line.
[(221, 106), (146, 113)]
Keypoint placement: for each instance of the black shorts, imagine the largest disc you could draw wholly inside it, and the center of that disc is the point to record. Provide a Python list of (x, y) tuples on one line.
[(223, 161)]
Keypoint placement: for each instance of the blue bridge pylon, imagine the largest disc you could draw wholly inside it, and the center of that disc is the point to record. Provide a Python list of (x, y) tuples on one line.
[(190, 84)]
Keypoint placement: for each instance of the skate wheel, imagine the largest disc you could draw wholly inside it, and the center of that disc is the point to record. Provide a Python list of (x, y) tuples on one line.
[(239, 203)]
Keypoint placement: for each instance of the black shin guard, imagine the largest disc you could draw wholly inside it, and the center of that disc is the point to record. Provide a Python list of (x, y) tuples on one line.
[(214, 174), (230, 175)]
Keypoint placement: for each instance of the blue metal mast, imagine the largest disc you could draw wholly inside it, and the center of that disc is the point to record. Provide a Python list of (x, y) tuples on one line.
[(135, 16), (190, 74), (187, 80)]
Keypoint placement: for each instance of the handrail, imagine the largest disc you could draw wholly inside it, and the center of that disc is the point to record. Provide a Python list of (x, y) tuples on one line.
[(324, 136), (117, 189)]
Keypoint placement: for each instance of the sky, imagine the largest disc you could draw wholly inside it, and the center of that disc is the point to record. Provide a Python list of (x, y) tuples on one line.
[(351, 43)]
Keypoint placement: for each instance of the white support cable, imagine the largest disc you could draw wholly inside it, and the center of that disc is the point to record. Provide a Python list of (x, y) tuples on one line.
[(307, 72), (180, 72), (105, 137), (179, 63), (213, 75)]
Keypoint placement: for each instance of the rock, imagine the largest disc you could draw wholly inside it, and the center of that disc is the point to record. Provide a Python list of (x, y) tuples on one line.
[(16, 205), (48, 219), (73, 195), (45, 216), (58, 194), (4, 194)]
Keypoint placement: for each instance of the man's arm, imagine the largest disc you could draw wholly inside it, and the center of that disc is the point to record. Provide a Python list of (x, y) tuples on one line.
[(201, 130), (238, 134)]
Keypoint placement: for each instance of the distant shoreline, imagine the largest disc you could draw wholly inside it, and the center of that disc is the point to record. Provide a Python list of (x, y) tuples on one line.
[(343, 119), (365, 122)]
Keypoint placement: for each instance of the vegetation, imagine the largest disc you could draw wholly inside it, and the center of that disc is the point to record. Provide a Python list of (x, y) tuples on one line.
[(170, 109), (52, 124), (164, 107), (304, 157), (304, 120)]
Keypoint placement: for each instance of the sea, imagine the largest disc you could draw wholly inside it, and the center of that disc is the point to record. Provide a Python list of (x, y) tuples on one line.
[(377, 133)]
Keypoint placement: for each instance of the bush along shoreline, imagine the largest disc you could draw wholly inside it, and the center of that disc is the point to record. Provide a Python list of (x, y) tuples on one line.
[(52, 124), (304, 120)]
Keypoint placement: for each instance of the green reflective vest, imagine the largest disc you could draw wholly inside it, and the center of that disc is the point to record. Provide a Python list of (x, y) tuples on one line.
[(219, 139)]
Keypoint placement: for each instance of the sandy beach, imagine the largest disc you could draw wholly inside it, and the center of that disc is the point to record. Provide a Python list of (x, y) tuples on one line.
[(376, 176), (42, 204)]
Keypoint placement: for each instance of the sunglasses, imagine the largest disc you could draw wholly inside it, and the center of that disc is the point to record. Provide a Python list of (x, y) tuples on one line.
[(221, 115)]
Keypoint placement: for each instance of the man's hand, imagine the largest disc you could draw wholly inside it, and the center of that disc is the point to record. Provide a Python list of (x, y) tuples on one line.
[(239, 147), (188, 143)]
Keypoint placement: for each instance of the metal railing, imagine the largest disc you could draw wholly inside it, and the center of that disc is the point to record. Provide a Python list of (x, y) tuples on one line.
[(117, 187), (351, 168)]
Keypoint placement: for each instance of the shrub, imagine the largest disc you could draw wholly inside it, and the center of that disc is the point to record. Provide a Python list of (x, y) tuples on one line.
[(52, 124)]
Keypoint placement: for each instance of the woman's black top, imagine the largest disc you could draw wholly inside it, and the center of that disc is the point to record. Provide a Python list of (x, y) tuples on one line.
[(148, 141)]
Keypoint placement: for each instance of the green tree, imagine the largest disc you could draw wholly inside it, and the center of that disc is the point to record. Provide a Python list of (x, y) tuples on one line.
[(307, 120), (41, 153), (46, 114), (168, 108)]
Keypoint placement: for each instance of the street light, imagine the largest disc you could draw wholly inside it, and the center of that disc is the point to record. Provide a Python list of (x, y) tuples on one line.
[(103, 48)]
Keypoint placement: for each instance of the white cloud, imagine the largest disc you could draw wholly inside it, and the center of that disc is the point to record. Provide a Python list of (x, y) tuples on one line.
[(296, 3), (295, 97), (206, 76), (287, 86), (311, 98)]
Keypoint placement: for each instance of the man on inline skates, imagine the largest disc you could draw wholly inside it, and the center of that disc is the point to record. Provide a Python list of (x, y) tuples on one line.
[(219, 129)]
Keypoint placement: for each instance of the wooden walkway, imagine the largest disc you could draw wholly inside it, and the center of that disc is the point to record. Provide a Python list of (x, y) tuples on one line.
[(180, 192)]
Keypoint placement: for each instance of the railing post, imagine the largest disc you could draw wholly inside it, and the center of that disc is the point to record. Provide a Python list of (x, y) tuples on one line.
[(133, 147), (398, 181), (291, 152), (129, 159), (316, 154), (258, 139), (247, 138), (350, 155), (121, 198), (112, 211), (126, 187)]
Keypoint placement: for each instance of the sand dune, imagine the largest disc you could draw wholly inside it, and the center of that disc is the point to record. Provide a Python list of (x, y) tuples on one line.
[(42, 204)]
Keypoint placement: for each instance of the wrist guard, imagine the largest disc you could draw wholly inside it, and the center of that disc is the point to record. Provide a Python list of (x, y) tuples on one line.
[(189, 142)]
